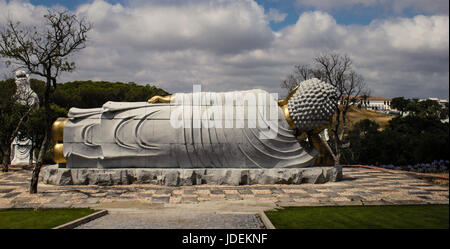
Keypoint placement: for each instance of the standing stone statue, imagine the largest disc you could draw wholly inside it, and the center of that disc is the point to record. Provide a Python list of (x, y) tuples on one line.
[(240, 129), (21, 149)]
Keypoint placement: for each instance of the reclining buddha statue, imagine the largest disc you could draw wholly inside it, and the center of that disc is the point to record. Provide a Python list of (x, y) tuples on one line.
[(240, 129)]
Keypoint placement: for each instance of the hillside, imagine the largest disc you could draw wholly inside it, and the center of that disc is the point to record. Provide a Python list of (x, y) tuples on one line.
[(355, 115)]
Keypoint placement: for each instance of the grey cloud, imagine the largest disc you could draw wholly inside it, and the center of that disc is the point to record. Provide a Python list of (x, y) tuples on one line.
[(225, 27), (428, 7), (276, 16), (331, 4), (20, 10), (395, 6), (226, 49)]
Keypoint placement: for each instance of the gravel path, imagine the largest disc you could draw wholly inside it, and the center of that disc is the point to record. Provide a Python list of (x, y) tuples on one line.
[(154, 220)]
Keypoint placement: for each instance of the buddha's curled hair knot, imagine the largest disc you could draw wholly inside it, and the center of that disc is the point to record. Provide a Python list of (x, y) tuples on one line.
[(313, 104)]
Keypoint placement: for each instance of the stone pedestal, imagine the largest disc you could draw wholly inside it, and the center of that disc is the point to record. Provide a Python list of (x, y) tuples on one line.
[(186, 177)]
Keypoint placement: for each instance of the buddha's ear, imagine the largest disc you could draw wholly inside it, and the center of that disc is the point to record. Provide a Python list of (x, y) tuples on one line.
[(292, 92), (285, 101)]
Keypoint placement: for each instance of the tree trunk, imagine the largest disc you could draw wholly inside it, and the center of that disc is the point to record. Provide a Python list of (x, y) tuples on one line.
[(337, 140), (45, 142), (337, 154), (6, 158), (337, 159), (30, 162), (325, 157), (37, 167)]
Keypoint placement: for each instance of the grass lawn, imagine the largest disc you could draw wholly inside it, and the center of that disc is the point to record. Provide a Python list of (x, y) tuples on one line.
[(361, 217), (40, 218)]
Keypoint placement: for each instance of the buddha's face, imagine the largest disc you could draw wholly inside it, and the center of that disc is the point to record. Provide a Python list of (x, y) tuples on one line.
[(21, 82)]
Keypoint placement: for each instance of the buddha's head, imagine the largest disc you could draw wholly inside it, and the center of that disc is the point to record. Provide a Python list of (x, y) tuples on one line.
[(21, 74), (312, 104), (22, 79)]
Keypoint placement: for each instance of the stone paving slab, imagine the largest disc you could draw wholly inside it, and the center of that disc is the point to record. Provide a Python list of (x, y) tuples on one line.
[(359, 186), (148, 220)]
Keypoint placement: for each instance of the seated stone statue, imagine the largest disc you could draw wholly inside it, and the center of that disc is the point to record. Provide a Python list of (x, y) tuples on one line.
[(240, 129), (21, 149)]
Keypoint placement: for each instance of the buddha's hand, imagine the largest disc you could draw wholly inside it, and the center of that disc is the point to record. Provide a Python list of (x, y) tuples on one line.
[(154, 99), (319, 129), (159, 99)]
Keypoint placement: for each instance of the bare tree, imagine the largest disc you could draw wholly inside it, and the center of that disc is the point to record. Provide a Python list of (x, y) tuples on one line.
[(301, 72), (335, 69), (44, 51), (289, 83)]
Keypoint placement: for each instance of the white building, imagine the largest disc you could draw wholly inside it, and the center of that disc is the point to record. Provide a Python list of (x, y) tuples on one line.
[(440, 101), (374, 103)]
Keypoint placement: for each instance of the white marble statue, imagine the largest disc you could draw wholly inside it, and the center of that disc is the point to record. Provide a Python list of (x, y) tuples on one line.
[(240, 129), (21, 148)]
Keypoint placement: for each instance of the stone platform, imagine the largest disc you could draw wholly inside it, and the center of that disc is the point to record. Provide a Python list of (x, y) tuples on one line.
[(187, 177)]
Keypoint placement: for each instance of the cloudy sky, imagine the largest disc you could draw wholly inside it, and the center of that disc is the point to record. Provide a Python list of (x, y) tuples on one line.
[(400, 47)]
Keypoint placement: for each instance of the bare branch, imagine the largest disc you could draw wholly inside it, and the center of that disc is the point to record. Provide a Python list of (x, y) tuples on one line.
[(45, 50)]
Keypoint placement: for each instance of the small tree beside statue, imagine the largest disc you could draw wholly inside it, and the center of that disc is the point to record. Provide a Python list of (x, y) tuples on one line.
[(44, 51)]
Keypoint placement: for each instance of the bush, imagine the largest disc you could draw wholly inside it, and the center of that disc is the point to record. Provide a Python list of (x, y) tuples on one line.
[(406, 141)]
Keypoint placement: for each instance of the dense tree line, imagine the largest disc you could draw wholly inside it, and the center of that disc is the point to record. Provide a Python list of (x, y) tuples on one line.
[(419, 137), (91, 94), (425, 109)]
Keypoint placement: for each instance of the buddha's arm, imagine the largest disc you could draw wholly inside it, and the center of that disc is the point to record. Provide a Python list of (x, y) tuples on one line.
[(159, 99), (324, 158), (313, 136)]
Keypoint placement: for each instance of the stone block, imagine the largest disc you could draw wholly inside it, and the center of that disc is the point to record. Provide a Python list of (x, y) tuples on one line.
[(187, 177)]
